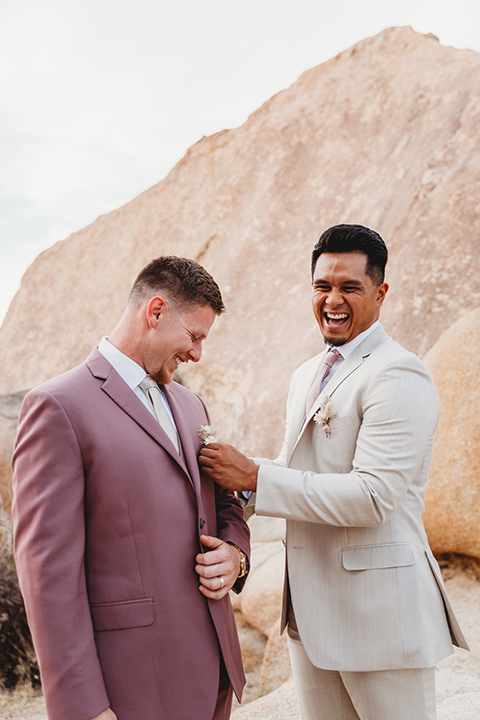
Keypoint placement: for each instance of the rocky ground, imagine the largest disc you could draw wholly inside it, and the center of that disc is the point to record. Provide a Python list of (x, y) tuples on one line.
[(22, 704)]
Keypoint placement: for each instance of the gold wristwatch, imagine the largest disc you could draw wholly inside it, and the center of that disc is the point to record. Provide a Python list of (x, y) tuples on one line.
[(243, 562)]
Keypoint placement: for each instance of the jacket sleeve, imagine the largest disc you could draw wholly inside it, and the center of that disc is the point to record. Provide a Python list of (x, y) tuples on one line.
[(49, 531), (231, 525), (398, 416)]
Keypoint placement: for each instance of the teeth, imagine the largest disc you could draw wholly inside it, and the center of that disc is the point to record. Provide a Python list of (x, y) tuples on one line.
[(337, 316)]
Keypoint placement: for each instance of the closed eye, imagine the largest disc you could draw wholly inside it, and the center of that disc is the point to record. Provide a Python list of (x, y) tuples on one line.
[(322, 288)]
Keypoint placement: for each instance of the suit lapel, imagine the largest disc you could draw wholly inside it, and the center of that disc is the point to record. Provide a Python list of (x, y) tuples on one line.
[(347, 368), (117, 389), (299, 421), (187, 434)]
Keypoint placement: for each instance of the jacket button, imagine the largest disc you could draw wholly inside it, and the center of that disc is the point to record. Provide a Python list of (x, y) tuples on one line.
[(202, 523)]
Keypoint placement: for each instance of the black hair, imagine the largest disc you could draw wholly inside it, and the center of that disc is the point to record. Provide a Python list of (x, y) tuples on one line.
[(354, 238)]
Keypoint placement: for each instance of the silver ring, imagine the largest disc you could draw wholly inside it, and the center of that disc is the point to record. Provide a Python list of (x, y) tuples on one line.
[(222, 582)]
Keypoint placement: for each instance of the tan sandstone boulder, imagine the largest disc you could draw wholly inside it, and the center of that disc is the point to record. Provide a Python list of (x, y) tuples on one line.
[(266, 529), (385, 134), (276, 668), (261, 599), (452, 514), (9, 409)]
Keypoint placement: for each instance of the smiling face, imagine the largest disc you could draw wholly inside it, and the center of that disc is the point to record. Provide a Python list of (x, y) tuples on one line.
[(345, 300), (175, 337)]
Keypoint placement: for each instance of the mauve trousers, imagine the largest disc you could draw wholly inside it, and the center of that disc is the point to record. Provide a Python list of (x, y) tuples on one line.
[(223, 708)]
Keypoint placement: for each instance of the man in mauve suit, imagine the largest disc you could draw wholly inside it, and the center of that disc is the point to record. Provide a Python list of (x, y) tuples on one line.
[(125, 552), (367, 613)]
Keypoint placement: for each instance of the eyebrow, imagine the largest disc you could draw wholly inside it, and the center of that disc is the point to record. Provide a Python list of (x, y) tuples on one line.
[(352, 281)]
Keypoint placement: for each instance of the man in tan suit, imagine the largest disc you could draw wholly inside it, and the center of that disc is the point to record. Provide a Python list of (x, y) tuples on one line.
[(365, 604)]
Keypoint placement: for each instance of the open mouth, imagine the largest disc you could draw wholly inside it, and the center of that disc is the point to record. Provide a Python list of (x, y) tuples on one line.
[(335, 320), (174, 364)]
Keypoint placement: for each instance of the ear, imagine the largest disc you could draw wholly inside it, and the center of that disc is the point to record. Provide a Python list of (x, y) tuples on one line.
[(154, 310), (381, 292)]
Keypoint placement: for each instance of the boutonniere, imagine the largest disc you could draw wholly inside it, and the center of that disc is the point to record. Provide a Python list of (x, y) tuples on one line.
[(324, 414), (209, 434)]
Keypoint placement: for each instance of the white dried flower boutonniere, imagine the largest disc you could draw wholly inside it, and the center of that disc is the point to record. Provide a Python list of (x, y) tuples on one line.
[(209, 434), (324, 414)]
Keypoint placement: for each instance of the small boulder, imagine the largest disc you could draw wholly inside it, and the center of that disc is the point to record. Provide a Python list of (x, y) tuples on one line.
[(261, 600), (276, 668), (452, 501)]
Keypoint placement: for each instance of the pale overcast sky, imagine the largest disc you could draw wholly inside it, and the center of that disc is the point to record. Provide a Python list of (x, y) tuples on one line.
[(99, 98)]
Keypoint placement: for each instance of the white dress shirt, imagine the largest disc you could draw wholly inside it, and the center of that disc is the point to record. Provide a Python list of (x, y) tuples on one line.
[(131, 373), (348, 348)]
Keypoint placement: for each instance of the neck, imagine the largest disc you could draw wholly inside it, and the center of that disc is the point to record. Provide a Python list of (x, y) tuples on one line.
[(125, 337)]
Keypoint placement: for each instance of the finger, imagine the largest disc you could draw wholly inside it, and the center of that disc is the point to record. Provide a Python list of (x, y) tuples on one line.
[(213, 555), (207, 463), (219, 592), (211, 571), (204, 456), (213, 594), (209, 450), (210, 541), (215, 583)]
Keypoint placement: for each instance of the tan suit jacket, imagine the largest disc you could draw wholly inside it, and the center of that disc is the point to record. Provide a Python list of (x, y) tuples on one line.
[(366, 590)]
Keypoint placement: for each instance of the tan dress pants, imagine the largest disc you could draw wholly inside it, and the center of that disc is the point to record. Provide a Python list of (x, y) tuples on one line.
[(383, 695)]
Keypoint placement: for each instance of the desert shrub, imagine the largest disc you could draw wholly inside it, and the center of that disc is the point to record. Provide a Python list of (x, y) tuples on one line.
[(18, 663)]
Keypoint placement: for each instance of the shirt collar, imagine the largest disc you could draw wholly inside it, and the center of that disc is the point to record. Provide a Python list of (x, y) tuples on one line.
[(348, 348), (128, 369)]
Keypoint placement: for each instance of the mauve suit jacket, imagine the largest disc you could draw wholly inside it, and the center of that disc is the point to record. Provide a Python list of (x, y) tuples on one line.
[(366, 590), (107, 519)]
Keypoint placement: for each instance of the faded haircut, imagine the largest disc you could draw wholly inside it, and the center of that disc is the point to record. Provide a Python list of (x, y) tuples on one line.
[(183, 281)]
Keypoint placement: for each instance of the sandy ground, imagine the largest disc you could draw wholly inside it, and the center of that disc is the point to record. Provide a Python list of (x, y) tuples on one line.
[(22, 704)]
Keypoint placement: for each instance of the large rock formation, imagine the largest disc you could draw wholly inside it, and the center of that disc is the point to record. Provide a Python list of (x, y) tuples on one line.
[(452, 516), (384, 134), (9, 409)]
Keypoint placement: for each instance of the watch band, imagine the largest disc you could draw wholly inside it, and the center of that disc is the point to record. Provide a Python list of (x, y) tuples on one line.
[(243, 562)]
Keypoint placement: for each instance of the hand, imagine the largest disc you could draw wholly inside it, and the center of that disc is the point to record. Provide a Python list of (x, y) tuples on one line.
[(228, 467), (107, 714), (222, 562)]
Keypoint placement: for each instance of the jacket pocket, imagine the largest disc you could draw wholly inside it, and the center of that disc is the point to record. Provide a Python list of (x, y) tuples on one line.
[(369, 557), (123, 614), (343, 421)]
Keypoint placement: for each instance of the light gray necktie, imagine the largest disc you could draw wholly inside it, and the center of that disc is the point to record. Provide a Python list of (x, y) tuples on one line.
[(152, 391), (323, 372)]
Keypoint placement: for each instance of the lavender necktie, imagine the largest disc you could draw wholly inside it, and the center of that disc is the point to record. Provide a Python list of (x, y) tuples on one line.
[(323, 372), (152, 391)]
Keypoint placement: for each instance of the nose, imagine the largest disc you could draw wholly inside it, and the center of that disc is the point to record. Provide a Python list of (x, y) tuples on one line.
[(334, 298), (196, 352)]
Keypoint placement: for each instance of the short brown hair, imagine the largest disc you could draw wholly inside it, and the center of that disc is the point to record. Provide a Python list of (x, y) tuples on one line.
[(184, 281)]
